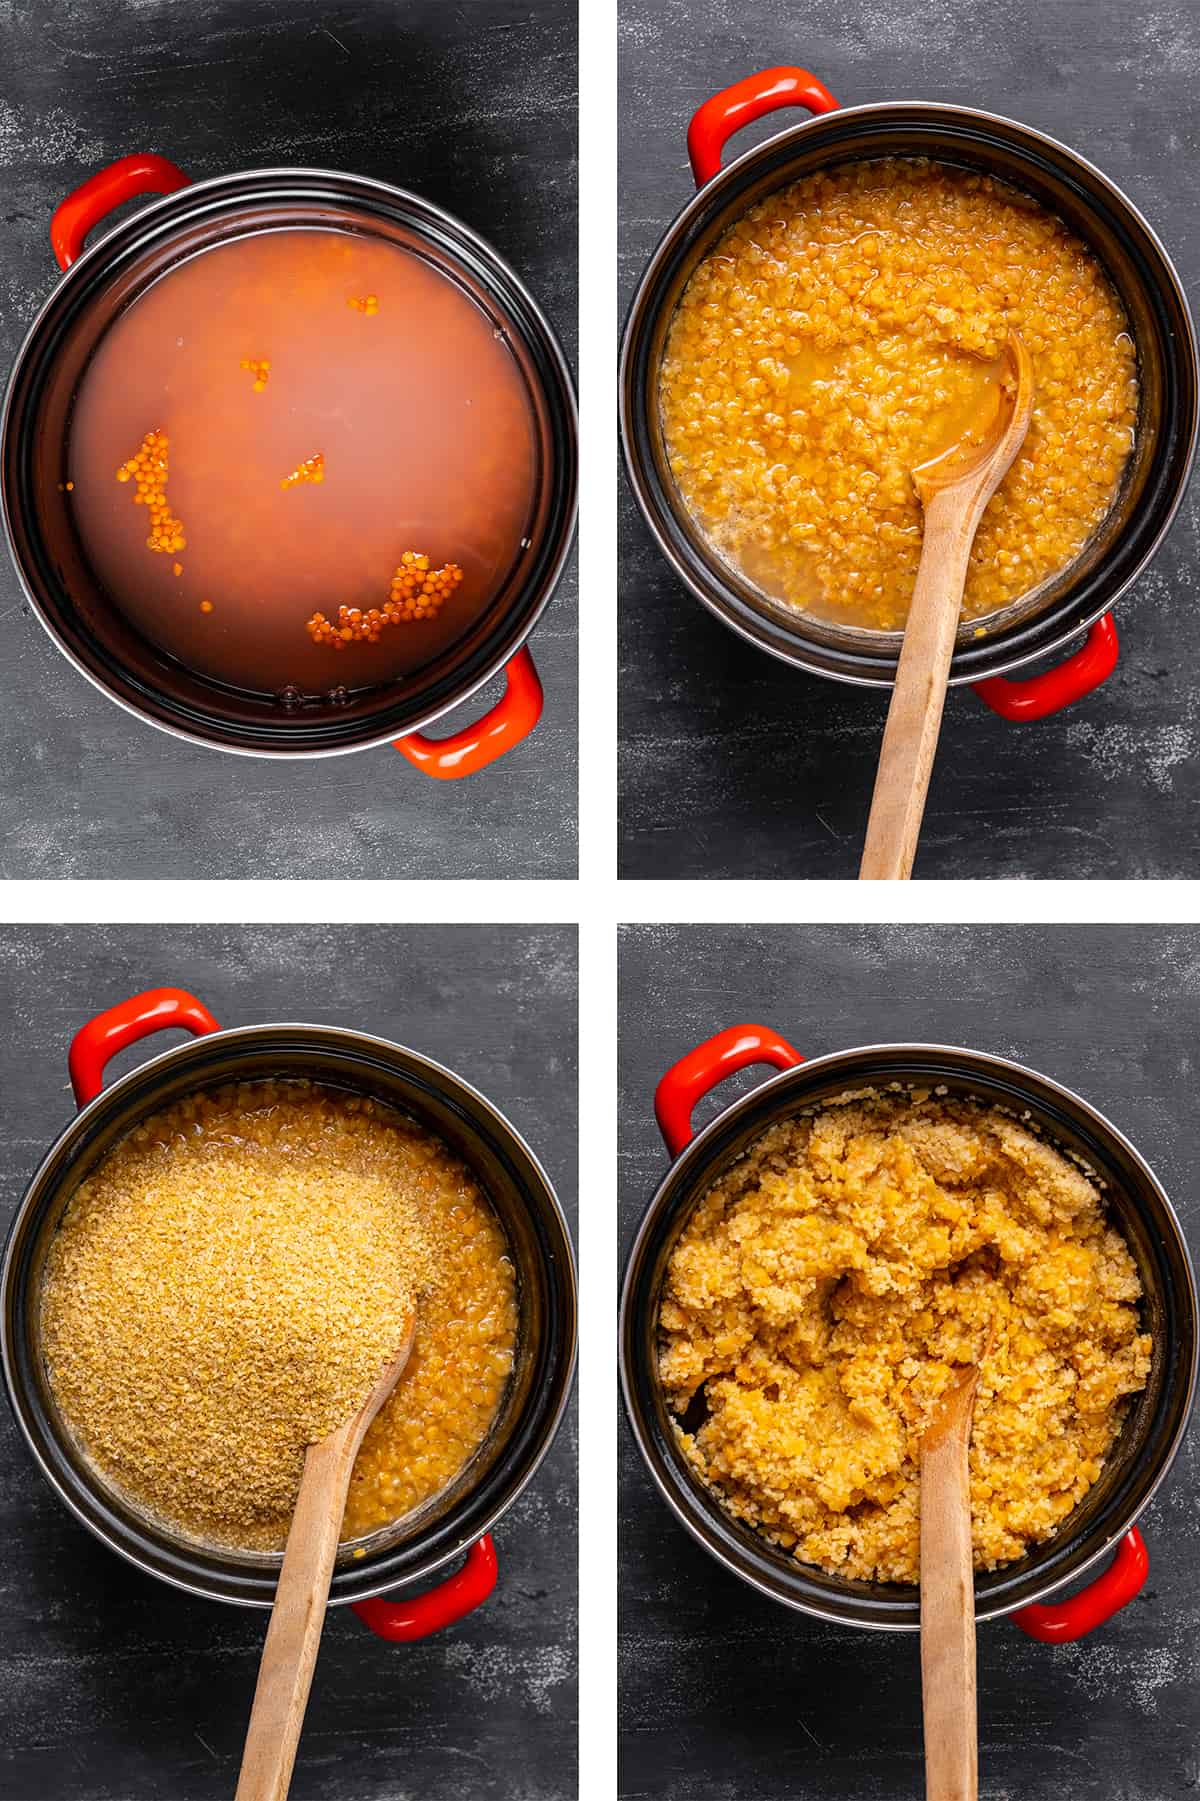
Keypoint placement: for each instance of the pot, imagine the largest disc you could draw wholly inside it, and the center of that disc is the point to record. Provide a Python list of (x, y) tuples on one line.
[(456, 1522), (100, 282), (1081, 597), (1104, 1524)]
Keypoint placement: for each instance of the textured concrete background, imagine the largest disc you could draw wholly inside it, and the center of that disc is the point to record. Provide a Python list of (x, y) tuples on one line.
[(726, 1696), (735, 765), (473, 106), (112, 1686)]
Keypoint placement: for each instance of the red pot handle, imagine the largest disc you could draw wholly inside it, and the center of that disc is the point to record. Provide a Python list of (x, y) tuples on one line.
[(417, 1616), (688, 1081), (714, 123), (100, 193), (158, 1010), (512, 718), (1059, 1622), (1049, 693)]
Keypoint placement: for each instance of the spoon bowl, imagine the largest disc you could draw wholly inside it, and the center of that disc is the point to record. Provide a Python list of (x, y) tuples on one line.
[(954, 488)]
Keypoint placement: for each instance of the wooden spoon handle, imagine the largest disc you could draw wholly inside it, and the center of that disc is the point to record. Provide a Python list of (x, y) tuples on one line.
[(294, 1634), (948, 1615), (915, 714)]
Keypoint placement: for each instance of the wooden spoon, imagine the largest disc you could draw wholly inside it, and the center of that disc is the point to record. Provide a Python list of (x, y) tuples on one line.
[(298, 1616), (948, 1597), (954, 488)]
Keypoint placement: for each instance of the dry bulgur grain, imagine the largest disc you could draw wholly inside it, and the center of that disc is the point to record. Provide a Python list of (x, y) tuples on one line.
[(828, 1286), (452, 1388), (226, 1285), (844, 331)]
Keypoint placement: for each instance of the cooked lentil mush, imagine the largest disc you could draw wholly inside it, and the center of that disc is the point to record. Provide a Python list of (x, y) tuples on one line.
[(225, 1287), (845, 330), (829, 1285)]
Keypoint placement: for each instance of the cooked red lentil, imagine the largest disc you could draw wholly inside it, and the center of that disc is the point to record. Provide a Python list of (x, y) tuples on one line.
[(450, 1393), (226, 1285), (828, 1287), (847, 329)]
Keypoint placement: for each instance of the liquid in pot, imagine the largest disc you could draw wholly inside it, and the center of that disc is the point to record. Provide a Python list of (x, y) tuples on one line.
[(849, 328), (327, 410)]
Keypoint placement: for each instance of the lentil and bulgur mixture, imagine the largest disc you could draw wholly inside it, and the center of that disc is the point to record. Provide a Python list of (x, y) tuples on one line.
[(829, 1285), (847, 329), (226, 1286)]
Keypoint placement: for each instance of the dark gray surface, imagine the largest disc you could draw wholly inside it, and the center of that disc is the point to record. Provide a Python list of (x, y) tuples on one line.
[(735, 765), (113, 1687), (473, 106), (726, 1696)]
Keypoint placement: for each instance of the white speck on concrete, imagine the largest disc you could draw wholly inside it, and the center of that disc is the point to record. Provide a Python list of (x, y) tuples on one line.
[(1115, 751), (496, 1669), (52, 137)]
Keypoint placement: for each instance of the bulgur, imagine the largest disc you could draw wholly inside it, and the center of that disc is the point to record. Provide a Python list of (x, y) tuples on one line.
[(829, 1285), (226, 1285), (845, 330)]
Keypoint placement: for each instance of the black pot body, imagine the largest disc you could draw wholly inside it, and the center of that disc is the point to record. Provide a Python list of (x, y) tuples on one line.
[(49, 559), (1155, 480)]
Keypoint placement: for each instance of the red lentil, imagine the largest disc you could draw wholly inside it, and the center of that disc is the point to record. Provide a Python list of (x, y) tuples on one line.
[(417, 592), (148, 467), (312, 469), (260, 368)]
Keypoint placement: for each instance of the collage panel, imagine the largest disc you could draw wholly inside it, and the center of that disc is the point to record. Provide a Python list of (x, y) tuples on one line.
[(191, 1219), (307, 1489), (892, 1152), (315, 307), (879, 194)]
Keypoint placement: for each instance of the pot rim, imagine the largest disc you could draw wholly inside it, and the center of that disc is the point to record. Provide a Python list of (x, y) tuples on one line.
[(695, 206), (694, 1154), (552, 344), (155, 1066)]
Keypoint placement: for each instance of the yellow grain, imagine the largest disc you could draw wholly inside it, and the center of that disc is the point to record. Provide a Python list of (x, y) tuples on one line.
[(225, 1287), (825, 1291), (845, 330)]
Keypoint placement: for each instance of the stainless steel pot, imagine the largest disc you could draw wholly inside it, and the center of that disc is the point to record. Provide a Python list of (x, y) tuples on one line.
[(1080, 598), (456, 1522), (1104, 1524), (54, 573)]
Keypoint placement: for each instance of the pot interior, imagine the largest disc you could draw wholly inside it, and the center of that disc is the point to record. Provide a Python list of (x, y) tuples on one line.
[(1137, 267), (52, 561), (1153, 1426), (519, 1195)]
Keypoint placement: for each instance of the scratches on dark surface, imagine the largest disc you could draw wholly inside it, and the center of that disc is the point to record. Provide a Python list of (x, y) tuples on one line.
[(734, 765), (112, 1686), (727, 1696), (429, 97), (333, 39)]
